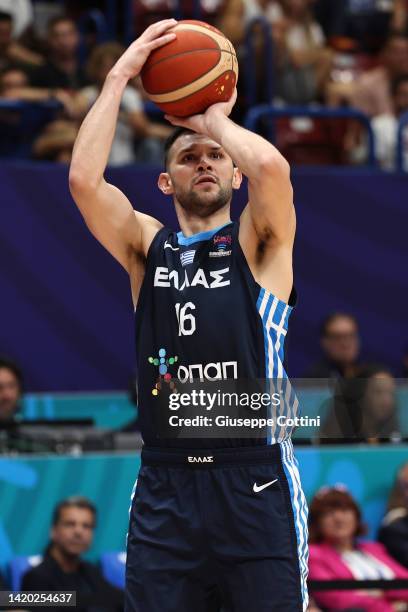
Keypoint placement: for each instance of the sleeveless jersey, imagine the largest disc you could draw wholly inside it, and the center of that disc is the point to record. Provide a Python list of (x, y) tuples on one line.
[(201, 314)]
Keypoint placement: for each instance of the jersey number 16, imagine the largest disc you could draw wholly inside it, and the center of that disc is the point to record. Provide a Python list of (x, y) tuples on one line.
[(186, 320)]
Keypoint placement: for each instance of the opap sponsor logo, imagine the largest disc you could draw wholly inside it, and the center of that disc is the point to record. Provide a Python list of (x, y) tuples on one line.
[(163, 362), (219, 370)]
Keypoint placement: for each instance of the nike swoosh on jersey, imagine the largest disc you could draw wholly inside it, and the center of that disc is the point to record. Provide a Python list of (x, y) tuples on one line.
[(169, 246), (257, 488)]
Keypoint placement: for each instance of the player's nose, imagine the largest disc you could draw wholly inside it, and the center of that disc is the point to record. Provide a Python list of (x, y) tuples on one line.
[(204, 163)]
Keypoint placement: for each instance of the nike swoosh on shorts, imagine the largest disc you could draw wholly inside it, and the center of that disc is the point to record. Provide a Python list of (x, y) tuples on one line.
[(257, 488)]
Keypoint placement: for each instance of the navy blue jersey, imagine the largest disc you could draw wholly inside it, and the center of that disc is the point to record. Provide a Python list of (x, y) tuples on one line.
[(201, 314)]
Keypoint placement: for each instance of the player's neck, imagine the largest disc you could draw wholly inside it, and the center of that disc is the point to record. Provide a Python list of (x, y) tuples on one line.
[(192, 224)]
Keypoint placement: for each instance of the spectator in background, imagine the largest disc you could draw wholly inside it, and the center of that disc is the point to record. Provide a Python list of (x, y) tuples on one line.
[(62, 69), (365, 409), (147, 12), (302, 75), (235, 16), (394, 528), (10, 50), (137, 139), (371, 93), (21, 12), (340, 344), (302, 61), (63, 569), (335, 554), (12, 80), (57, 138), (11, 389), (56, 141), (386, 126), (14, 85)]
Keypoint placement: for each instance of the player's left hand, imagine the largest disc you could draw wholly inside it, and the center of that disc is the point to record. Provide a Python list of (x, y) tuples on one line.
[(201, 123)]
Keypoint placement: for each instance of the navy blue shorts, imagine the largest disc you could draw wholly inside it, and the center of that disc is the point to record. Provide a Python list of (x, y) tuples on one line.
[(218, 530)]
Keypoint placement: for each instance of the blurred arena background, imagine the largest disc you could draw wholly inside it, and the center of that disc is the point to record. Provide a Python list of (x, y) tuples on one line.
[(327, 82)]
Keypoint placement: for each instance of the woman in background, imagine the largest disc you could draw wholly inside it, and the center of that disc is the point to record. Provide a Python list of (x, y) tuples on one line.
[(335, 554)]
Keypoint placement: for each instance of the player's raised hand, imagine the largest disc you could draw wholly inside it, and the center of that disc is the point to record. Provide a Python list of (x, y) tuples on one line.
[(200, 123), (155, 36)]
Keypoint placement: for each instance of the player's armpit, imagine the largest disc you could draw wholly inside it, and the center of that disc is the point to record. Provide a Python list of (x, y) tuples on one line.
[(112, 220), (270, 262)]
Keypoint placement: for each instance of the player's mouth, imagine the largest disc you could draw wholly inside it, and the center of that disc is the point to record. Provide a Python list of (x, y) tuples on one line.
[(206, 179)]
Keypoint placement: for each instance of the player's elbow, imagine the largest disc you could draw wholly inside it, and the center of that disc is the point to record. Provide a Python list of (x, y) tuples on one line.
[(79, 183), (274, 164)]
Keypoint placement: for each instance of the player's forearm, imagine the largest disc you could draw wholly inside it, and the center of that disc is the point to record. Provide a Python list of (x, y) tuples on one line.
[(249, 151), (94, 141)]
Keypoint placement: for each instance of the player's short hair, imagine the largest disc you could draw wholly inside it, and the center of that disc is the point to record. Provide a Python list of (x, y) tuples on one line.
[(170, 140), (168, 143), (75, 501), (9, 364), (327, 321)]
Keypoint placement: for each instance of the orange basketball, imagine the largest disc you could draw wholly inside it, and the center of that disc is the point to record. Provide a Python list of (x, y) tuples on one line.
[(191, 72)]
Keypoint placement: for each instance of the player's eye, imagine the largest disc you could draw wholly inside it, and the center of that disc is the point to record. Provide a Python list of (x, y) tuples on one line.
[(217, 155), (188, 157)]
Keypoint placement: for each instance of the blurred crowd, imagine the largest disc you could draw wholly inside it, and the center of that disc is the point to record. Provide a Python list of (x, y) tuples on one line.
[(337, 552), (342, 53)]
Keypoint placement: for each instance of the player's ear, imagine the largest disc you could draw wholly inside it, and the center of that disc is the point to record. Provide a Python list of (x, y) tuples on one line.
[(164, 183), (236, 178)]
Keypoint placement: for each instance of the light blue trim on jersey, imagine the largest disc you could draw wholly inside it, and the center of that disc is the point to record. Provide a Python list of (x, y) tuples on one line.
[(300, 514), (187, 240), (275, 314)]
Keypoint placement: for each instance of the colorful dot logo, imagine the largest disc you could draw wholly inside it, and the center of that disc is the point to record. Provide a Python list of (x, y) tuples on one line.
[(163, 363)]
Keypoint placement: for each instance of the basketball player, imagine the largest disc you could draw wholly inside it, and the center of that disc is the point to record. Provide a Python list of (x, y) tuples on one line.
[(223, 516)]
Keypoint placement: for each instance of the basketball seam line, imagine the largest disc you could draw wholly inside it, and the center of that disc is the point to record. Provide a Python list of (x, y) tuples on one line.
[(187, 53), (191, 94), (232, 54)]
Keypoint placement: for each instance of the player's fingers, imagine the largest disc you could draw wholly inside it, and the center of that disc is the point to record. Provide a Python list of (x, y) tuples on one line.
[(159, 42), (177, 121), (156, 29)]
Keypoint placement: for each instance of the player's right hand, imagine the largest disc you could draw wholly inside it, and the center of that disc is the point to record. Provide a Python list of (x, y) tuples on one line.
[(155, 36)]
